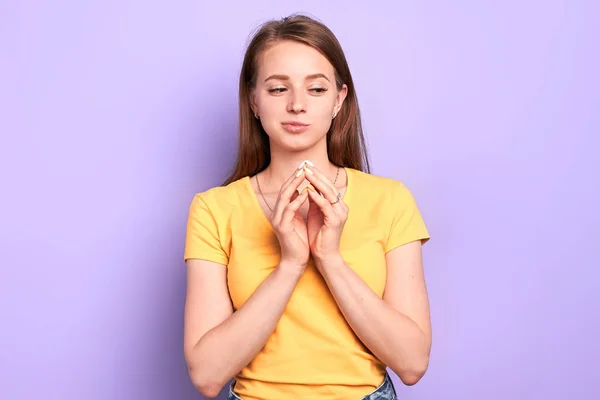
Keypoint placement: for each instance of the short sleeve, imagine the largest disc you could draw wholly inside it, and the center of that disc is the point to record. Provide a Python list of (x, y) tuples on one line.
[(407, 224), (202, 234)]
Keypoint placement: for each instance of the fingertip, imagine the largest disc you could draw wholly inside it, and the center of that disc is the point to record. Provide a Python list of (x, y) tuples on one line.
[(303, 194)]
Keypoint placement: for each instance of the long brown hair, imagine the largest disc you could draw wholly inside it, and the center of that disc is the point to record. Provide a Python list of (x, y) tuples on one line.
[(345, 141)]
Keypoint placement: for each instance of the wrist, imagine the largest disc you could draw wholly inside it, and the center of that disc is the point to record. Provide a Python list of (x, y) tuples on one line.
[(330, 261), (291, 269)]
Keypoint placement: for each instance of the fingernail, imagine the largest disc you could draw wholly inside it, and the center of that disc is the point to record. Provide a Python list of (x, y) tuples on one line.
[(301, 165), (299, 173), (308, 171), (310, 187), (304, 190)]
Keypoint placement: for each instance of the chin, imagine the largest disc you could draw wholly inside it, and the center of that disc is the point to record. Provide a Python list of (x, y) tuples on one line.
[(280, 138), (296, 147), (298, 142)]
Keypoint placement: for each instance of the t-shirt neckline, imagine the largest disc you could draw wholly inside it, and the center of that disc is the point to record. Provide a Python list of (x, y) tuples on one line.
[(263, 217)]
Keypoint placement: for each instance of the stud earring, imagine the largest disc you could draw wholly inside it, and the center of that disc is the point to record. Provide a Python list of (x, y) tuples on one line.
[(334, 114), (256, 116)]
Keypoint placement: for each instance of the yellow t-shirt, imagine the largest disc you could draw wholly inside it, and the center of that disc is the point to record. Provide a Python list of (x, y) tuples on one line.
[(313, 353)]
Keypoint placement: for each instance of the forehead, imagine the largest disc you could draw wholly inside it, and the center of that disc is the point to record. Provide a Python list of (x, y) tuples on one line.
[(294, 59)]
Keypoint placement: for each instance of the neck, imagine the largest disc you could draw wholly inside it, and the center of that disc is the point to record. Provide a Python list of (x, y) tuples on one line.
[(284, 163)]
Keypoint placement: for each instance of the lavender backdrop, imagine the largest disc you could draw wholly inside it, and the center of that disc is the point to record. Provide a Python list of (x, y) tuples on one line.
[(115, 113)]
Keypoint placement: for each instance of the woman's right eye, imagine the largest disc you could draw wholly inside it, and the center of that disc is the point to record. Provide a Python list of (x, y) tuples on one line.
[(277, 90)]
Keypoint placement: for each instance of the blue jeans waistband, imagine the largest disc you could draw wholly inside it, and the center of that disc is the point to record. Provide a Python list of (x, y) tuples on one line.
[(385, 391)]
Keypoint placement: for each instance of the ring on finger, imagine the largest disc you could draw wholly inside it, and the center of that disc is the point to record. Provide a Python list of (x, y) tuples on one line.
[(339, 196)]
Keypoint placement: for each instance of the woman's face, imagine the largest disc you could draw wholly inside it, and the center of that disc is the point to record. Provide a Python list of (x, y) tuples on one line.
[(295, 95)]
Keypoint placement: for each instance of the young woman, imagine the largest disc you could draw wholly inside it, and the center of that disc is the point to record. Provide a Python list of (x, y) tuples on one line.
[(305, 276)]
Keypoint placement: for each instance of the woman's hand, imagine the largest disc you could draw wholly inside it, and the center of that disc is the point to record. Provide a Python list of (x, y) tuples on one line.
[(327, 215), (289, 226)]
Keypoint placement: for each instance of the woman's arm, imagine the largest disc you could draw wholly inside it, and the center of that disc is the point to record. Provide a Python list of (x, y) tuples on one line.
[(397, 328), (218, 342)]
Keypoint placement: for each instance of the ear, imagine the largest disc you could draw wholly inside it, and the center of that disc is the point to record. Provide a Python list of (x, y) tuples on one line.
[(339, 100), (252, 100)]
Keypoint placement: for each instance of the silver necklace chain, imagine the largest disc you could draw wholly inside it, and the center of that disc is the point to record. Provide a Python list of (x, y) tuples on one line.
[(263, 196)]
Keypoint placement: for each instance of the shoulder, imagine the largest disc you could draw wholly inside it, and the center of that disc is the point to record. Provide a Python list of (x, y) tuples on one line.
[(378, 187), (390, 202), (221, 198)]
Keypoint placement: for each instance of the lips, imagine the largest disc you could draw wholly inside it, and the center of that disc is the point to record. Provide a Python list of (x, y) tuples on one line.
[(295, 127)]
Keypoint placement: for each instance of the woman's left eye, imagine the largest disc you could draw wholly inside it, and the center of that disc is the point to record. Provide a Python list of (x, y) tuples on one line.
[(319, 90)]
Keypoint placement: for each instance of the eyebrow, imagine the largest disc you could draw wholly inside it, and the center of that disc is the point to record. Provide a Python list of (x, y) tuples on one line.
[(308, 77)]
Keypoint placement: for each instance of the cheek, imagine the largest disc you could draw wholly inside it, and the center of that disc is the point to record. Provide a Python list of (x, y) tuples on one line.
[(322, 114), (322, 106), (273, 107)]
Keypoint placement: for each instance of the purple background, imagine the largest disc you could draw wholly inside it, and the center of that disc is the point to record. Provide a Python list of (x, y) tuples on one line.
[(115, 113)]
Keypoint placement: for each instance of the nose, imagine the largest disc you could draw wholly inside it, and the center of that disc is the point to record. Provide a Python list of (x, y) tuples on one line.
[(297, 103)]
